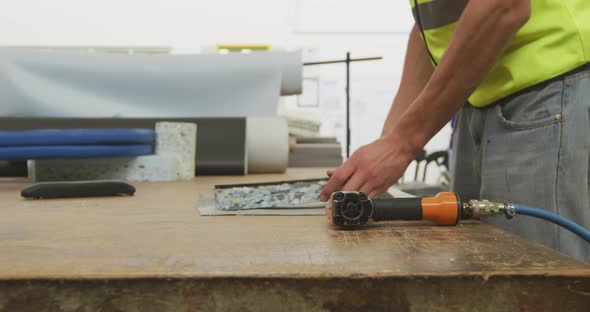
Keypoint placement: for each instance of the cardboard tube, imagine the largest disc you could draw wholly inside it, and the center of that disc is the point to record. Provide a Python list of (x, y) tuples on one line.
[(267, 142)]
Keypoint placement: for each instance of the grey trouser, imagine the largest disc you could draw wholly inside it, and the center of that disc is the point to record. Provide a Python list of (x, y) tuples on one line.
[(532, 148)]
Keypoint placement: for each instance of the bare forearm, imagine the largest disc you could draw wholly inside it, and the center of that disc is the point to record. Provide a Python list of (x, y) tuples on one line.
[(482, 33), (417, 71)]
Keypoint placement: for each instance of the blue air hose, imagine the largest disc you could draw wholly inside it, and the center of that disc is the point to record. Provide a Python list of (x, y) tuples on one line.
[(551, 217)]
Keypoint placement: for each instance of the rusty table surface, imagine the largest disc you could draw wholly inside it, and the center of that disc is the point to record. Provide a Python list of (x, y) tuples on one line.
[(153, 251)]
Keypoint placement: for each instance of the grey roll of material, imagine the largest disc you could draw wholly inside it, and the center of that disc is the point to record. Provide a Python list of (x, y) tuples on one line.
[(225, 146), (35, 83), (291, 71), (221, 146), (267, 141)]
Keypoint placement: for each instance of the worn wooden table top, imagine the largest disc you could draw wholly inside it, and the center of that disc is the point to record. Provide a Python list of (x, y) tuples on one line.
[(159, 234)]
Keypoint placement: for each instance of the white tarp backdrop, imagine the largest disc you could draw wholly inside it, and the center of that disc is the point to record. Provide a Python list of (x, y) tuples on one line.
[(37, 83)]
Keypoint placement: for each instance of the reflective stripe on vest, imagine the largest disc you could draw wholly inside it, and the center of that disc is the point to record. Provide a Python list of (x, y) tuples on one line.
[(555, 40)]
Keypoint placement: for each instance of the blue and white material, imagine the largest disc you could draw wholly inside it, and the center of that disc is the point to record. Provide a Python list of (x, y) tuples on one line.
[(76, 143), (174, 159), (77, 137)]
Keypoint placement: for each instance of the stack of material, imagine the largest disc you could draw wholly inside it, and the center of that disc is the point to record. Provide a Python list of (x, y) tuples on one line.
[(316, 152), (280, 198), (233, 98), (224, 146), (175, 145), (288, 194), (300, 127), (297, 197)]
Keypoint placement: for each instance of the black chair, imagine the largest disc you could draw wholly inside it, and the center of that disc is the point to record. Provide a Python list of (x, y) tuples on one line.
[(441, 158), (421, 188)]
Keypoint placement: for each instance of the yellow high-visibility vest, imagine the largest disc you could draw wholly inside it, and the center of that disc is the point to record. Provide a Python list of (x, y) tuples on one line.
[(555, 40)]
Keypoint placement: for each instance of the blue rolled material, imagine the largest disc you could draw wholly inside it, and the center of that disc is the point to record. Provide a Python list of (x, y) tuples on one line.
[(77, 137), (74, 151)]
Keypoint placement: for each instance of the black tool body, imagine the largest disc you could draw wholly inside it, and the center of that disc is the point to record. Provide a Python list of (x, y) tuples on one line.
[(397, 209)]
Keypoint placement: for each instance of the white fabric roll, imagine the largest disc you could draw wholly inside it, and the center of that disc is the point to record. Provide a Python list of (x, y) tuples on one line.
[(292, 73), (37, 83), (267, 143)]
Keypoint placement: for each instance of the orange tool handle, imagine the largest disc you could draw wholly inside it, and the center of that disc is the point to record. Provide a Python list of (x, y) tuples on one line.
[(443, 209)]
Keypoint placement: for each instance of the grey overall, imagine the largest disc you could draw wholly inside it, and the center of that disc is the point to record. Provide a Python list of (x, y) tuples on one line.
[(532, 148)]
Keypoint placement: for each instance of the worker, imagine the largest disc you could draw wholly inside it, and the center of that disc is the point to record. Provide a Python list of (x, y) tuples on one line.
[(518, 74)]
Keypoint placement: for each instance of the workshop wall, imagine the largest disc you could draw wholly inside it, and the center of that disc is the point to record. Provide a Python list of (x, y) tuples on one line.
[(324, 29)]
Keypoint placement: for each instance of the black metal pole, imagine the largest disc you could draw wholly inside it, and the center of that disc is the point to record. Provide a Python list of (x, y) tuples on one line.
[(343, 61), (348, 60), (347, 105)]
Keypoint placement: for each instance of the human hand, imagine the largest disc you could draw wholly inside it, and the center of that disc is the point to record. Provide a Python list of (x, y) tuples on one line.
[(372, 169)]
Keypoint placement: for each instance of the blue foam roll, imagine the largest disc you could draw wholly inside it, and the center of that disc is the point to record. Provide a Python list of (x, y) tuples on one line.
[(74, 151), (77, 137)]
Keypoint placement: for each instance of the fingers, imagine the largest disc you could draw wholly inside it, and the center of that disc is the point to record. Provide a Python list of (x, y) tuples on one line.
[(330, 172), (376, 192), (354, 183), (372, 190), (366, 188), (339, 176)]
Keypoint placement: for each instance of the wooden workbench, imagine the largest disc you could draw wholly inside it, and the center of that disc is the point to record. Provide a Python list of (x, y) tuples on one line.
[(153, 252)]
